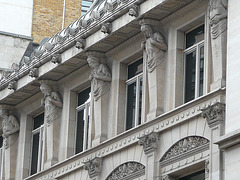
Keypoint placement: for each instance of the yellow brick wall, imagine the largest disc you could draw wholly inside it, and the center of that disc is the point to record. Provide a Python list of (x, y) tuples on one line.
[(72, 11), (48, 16)]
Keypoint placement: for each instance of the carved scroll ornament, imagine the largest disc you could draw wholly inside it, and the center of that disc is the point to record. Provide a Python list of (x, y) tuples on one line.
[(93, 166), (127, 170), (149, 142)]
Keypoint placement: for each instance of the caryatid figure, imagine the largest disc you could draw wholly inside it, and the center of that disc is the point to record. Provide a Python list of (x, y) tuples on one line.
[(52, 116), (10, 128), (218, 22), (100, 80), (154, 48)]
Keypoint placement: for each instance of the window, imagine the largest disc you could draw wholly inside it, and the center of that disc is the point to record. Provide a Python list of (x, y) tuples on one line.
[(37, 144), (196, 176), (194, 63), (85, 6), (82, 123), (134, 94)]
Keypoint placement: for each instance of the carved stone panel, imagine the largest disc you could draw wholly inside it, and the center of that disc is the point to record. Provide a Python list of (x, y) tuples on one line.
[(214, 114), (93, 166), (186, 146), (149, 142), (126, 171)]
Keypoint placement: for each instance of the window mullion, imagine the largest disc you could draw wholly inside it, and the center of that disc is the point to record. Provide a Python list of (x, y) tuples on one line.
[(197, 73), (137, 102), (85, 127), (41, 147)]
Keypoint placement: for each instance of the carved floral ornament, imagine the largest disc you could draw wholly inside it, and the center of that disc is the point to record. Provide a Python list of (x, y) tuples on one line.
[(93, 166), (128, 170), (149, 142), (184, 146), (214, 114)]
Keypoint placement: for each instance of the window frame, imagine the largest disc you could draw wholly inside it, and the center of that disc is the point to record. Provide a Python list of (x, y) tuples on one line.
[(196, 47), (86, 106), (137, 78), (40, 160)]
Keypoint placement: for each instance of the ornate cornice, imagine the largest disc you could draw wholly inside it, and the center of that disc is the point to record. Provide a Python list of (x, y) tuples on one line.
[(93, 166), (149, 142), (214, 114), (128, 170), (185, 146)]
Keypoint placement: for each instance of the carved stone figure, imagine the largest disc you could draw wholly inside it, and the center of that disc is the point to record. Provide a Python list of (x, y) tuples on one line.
[(100, 77), (33, 72), (106, 28), (154, 46), (133, 11), (93, 166), (12, 85), (56, 58), (218, 17), (51, 101), (149, 142), (9, 127), (218, 22), (81, 43)]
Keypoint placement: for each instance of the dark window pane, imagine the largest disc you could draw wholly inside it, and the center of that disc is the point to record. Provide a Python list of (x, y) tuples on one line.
[(1, 141), (201, 71), (38, 121), (190, 74), (131, 105), (135, 68), (35, 147), (83, 96), (80, 131), (196, 176), (195, 36), (140, 102)]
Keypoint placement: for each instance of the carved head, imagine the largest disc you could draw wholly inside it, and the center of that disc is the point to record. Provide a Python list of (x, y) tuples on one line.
[(147, 30), (46, 89), (93, 62)]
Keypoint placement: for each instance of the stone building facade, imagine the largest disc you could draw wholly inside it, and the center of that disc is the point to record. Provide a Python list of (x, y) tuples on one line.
[(137, 90)]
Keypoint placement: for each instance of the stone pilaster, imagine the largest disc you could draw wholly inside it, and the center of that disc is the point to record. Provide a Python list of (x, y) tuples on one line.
[(154, 47), (10, 133), (52, 103), (94, 168), (215, 116), (100, 84), (150, 147)]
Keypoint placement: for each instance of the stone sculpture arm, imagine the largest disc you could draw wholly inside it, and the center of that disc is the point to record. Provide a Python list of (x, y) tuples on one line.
[(222, 5), (158, 41), (56, 100), (103, 73)]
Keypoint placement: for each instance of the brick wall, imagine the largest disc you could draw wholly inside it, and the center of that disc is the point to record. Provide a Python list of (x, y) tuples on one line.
[(48, 16)]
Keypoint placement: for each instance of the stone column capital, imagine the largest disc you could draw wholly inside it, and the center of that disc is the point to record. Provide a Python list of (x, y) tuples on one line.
[(214, 114), (93, 166), (149, 142)]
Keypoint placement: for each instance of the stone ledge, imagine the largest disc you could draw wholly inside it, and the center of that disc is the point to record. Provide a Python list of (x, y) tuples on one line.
[(228, 140), (16, 35)]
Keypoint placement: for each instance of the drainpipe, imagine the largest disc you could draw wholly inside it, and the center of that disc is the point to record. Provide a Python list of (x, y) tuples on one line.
[(64, 9)]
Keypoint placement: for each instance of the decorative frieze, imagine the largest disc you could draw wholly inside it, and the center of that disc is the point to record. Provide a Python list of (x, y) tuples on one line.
[(33, 72), (214, 114), (149, 142), (127, 170), (56, 59), (134, 10), (184, 146), (94, 166), (12, 85), (106, 28)]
